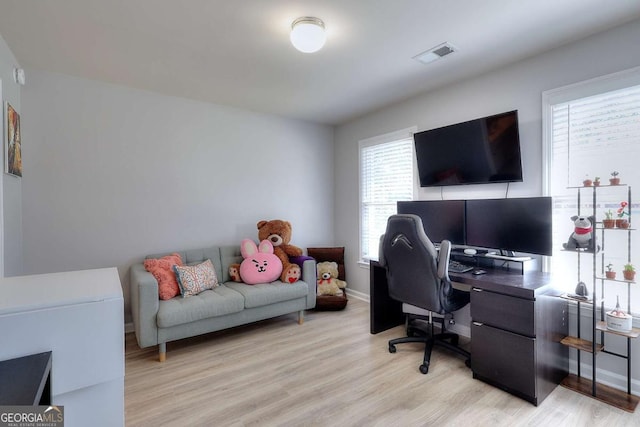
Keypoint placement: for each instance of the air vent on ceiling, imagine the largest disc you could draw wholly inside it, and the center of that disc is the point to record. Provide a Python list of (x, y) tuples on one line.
[(435, 53)]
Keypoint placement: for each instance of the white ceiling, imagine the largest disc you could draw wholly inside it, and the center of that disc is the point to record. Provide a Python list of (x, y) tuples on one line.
[(238, 53)]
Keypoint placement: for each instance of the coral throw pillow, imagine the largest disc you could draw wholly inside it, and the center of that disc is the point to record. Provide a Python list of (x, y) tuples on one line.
[(162, 270)]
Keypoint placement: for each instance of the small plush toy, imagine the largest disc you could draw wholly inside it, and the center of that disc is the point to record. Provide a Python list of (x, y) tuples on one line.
[(260, 265), (582, 235), (234, 272), (328, 282), (278, 232)]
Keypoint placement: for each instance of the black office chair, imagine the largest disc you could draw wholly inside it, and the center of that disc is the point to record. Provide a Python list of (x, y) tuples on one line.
[(419, 278)]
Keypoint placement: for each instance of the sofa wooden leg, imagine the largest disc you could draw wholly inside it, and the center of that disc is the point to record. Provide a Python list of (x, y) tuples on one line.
[(300, 317), (162, 352)]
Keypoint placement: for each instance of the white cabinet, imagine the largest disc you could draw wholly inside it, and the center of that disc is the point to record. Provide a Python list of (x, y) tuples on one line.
[(79, 317)]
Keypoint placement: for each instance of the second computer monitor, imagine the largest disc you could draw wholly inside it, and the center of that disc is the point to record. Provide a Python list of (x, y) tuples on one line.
[(519, 224), (441, 219)]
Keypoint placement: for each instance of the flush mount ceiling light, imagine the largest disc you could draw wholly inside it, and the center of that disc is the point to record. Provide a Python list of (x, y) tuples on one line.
[(307, 34)]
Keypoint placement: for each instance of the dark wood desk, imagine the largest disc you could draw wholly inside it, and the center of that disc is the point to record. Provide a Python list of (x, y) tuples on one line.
[(26, 380), (385, 313), (517, 323)]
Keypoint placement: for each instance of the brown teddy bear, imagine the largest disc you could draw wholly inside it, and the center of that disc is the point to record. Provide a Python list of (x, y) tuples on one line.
[(328, 282), (278, 232)]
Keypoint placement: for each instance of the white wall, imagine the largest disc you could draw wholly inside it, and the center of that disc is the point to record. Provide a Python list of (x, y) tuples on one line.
[(113, 174), (10, 186), (518, 86)]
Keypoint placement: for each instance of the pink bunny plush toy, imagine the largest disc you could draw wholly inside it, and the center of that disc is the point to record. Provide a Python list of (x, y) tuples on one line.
[(260, 265)]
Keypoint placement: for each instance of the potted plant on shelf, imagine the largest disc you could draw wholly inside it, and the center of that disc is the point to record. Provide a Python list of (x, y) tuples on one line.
[(629, 272), (610, 274), (621, 222), (596, 181), (614, 180), (587, 181), (608, 221)]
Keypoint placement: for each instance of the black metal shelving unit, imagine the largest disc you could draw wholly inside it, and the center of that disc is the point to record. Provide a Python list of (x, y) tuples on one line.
[(599, 329)]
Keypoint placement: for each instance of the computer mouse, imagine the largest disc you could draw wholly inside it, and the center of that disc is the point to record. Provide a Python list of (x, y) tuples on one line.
[(478, 272)]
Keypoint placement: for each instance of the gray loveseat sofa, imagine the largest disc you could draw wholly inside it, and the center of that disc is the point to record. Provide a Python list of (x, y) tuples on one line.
[(231, 304)]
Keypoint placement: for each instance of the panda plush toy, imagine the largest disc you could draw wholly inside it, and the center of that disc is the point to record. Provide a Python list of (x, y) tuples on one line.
[(582, 237)]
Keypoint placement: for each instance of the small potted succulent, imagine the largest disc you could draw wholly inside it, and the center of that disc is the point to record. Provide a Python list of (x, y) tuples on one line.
[(608, 221), (629, 272), (610, 274), (596, 181), (587, 181), (614, 180)]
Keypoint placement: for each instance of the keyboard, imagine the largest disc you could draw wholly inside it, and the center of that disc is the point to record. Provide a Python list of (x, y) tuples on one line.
[(458, 267)]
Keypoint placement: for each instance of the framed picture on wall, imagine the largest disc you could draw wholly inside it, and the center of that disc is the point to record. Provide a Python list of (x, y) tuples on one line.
[(13, 145)]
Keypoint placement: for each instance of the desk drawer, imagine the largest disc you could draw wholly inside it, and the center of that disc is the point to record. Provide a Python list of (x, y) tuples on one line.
[(504, 359), (504, 312)]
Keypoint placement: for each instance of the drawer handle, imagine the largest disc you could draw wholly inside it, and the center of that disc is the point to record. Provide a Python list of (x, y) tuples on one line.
[(476, 289), (478, 323)]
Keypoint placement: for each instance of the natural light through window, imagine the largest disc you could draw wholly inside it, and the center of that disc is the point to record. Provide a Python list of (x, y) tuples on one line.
[(591, 137), (386, 176)]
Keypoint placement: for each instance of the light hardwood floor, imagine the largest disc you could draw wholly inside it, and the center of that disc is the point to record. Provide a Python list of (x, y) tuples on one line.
[(328, 372)]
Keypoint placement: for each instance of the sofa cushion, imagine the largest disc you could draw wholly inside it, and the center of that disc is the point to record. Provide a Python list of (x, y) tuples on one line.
[(196, 278), (218, 301), (269, 293), (162, 270)]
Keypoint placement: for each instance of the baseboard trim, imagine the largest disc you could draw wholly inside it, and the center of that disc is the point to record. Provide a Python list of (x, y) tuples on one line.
[(588, 314), (358, 295), (605, 377), (128, 327)]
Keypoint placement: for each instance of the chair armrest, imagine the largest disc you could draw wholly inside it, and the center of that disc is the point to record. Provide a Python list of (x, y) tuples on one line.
[(443, 260), (144, 305), (309, 276)]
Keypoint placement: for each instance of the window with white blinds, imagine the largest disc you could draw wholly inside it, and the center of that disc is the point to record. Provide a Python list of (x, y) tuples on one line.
[(596, 135), (386, 176), (591, 137)]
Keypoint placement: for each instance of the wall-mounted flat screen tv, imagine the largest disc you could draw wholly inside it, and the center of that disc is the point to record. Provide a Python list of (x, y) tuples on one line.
[(480, 151)]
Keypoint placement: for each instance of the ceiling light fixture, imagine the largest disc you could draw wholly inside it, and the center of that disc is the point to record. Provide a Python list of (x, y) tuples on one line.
[(308, 34)]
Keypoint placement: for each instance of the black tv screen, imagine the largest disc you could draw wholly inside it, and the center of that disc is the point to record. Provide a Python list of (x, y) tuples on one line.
[(441, 219), (480, 151), (520, 224)]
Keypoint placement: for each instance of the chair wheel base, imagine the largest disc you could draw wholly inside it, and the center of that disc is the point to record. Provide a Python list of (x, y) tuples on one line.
[(392, 348), (424, 369)]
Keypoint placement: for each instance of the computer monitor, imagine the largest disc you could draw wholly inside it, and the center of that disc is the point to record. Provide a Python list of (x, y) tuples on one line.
[(519, 224), (441, 219)]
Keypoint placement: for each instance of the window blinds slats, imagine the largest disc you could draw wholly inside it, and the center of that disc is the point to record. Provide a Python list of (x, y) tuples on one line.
[(386, 176), (592, 137), (597, 134)]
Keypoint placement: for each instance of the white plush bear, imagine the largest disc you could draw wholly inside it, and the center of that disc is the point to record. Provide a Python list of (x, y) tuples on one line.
[(582, 236)]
